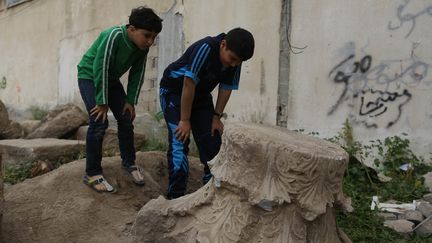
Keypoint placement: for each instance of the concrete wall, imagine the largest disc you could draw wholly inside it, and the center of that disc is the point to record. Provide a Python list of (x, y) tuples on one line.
[(42, 41), (359, 59), (256, 100), (39, 51), (369, 61)]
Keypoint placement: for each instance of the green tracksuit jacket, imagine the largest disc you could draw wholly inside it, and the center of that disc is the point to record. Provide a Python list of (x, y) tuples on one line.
[(108, 58)]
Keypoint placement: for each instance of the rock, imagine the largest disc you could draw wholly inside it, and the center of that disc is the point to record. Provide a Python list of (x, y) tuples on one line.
[(269, 185), (383, 178), (428, 181), (388, 216), (4, 117), (425, 208), (425, 229), (399, 225), (41, 167), (61, 122), (13, 131), (110, 143), (50, 149), (29, 125), (147, 124), (413, 216), (428, 197), (58, 207)]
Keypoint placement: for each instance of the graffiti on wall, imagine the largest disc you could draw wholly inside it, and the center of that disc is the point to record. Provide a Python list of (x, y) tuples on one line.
[(408, 15), (3, 83), (379, 92)]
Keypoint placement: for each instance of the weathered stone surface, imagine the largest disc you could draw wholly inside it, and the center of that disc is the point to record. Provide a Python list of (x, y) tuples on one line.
[(41, 167), (425, 208), (58, 207), (148, 125), (4, 117), (50, 149), (425, 229), (29, 125), (269, 185), (399, 225), (428, 197), (60, 122), (110, 143), (383, 177), (428, 180), (13, 131), (414, 216), (388, 216)]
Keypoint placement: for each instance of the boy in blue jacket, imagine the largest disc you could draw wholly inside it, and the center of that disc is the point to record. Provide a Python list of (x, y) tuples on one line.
[(187, 104)]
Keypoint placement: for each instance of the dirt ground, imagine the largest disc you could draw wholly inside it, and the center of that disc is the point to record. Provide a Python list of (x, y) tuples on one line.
[(58, 207)]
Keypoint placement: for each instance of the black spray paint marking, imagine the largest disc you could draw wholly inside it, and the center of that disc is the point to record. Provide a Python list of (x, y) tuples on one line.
[(360, 80), (341, 77), (408, 18), (379, 106)]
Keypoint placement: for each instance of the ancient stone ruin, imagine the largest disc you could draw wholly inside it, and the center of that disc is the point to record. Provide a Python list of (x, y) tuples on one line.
[(269, 185)]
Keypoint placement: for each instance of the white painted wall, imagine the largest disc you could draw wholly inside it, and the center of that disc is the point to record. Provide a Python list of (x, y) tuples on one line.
[(395, 37), (40, 68), (256, 100), (42, 41)]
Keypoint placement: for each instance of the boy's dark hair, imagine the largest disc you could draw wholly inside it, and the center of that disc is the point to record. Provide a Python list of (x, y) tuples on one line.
[(145, 18), (241, 42)]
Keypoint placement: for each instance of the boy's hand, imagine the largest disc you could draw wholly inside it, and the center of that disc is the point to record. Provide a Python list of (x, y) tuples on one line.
[(183, 131), (100, 111), (129, 109), (217, 125)]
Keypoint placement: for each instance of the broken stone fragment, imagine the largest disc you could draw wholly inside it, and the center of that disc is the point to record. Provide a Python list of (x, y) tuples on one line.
[(20, 150), (388, 216), (29, 125), (12, 131), (60, 122), (414, 216), (4, 117), (428, 197), (399, 225), (426, 228), (41, 167), (383, 178), (269, 185), (428, 181), (425, 208)]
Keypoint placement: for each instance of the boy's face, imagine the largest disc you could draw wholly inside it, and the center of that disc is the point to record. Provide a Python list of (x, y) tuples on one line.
[(142, 38), (227, 57)]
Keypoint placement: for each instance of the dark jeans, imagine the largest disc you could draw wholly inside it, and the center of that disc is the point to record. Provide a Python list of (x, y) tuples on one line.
[(96, 130), (208, 146)]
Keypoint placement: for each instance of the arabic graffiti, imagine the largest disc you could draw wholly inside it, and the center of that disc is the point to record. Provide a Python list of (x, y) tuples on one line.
[(404, 17), (377, 90), (379, 103)]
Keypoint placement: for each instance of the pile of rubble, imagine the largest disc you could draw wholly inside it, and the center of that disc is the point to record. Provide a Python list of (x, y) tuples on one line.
[(408, 217), (56, 139)]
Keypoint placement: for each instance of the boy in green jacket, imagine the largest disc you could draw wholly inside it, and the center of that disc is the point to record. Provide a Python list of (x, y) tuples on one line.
[(116, 50)]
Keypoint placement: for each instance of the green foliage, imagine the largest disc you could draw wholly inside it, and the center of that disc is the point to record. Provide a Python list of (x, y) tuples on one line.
[(361, 183), (18, 172), (155, 145), (159, 116), (38, 113)]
